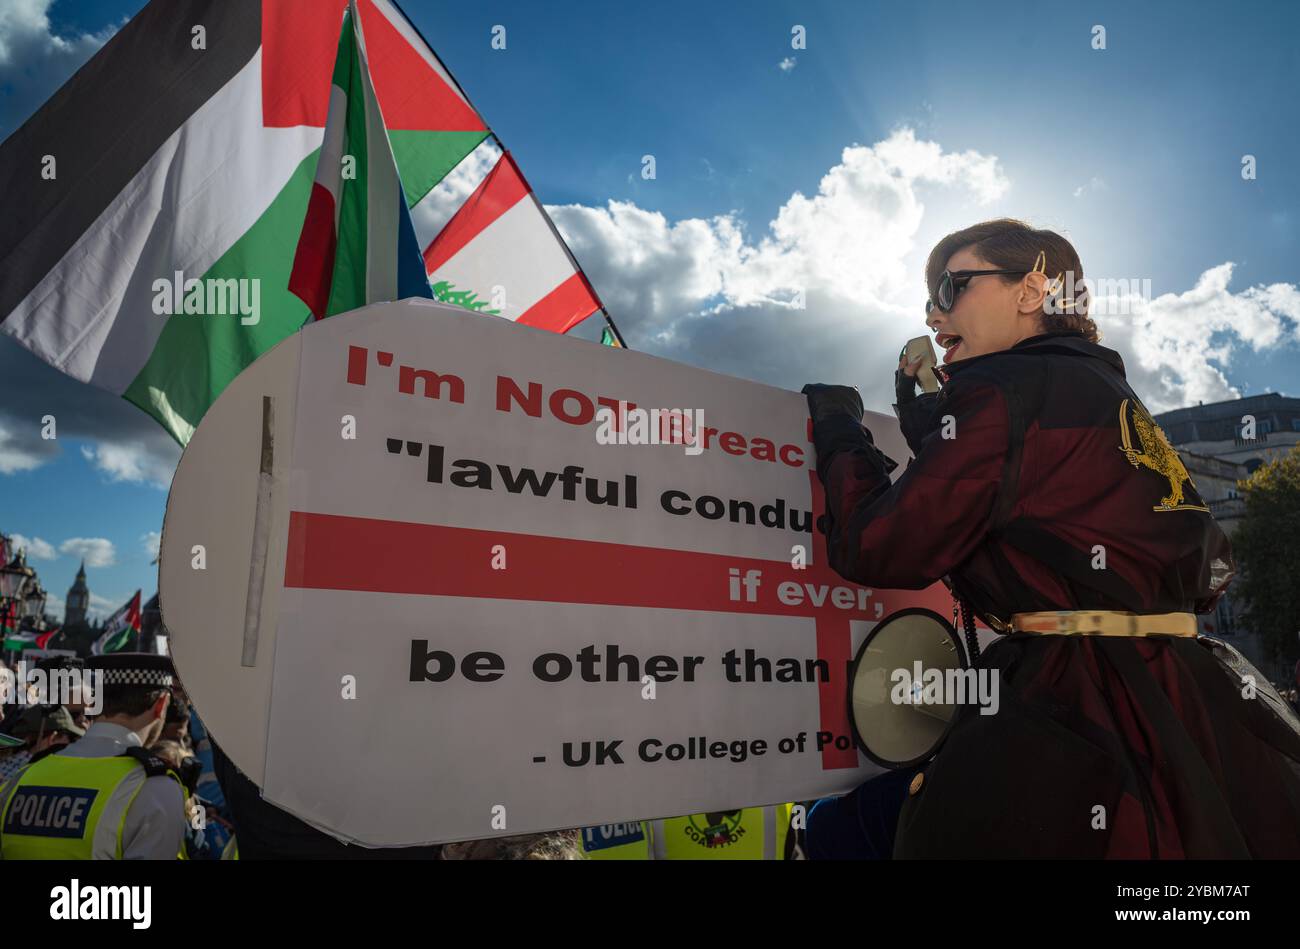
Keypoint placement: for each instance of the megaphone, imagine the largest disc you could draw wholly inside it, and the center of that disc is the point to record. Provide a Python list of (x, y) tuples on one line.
[(894, 721)]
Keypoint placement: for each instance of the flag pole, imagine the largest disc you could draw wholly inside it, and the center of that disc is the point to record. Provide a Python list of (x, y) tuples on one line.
[(609, 320), (555, 232)]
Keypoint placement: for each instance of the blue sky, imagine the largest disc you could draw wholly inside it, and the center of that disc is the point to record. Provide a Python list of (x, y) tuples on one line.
[(1133, 151)]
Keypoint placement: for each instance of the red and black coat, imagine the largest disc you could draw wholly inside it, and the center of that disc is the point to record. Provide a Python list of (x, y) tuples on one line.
[(1040, 482)]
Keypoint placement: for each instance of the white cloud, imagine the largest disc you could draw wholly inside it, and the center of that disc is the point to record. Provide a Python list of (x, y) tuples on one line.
[(33, 60), (18, 455), (152, 541), (134, 444), (848, 240), (25, 29), (786, 64), (436, 208), (103, 606), (1177, 345), (36, 548), (130, 461), (706, 292), (1094, 184), (96, 551)]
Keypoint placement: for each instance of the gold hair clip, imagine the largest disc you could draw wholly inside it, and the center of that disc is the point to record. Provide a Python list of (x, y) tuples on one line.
[(1057, 284)]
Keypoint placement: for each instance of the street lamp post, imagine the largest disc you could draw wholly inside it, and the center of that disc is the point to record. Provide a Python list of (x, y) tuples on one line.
[(14, 577), (34, 604)]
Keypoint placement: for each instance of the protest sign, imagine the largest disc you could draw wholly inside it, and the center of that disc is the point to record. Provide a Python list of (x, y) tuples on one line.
[(425, 582)]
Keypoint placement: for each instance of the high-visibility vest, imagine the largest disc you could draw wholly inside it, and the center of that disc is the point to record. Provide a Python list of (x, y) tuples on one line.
[(65, 808), (750, 833), (626, 841)]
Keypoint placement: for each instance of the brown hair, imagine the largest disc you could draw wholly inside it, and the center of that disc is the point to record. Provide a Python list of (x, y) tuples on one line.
[(1008, 244)]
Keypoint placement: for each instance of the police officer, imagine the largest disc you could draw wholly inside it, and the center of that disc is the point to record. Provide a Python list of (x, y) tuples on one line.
[(103, 797), (749, 833)]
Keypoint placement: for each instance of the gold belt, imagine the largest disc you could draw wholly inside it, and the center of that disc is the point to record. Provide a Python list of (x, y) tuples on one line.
[(1104, 623)]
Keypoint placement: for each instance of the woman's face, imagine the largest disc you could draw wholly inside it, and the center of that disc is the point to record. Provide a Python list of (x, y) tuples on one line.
[(989, 315)]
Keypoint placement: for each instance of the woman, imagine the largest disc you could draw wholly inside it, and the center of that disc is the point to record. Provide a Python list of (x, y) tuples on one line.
[(1040, 484)]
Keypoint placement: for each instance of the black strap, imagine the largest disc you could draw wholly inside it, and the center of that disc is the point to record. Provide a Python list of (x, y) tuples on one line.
[(154, 767)]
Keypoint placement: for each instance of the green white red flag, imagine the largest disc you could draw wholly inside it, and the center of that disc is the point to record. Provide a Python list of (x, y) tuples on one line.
[(119, 628), (357, 244), (18, 641)]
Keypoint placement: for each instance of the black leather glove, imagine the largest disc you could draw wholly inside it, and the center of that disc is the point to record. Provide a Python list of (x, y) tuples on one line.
[(828, 401), (837, 426), (904, 387)]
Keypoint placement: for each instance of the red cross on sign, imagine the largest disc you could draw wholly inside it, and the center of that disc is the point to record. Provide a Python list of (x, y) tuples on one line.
[(337, 552)]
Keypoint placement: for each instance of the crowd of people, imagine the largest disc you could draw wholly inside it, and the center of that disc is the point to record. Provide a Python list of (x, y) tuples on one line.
[(200, 806), (214, 811)]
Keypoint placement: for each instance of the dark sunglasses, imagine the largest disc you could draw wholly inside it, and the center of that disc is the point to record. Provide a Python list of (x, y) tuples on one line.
[(953, 282)]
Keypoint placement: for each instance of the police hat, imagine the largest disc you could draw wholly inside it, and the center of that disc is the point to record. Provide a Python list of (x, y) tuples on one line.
[(141, 669)]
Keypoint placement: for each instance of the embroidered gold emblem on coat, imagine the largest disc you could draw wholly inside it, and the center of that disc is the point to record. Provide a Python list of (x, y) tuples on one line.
[(1157, 454)]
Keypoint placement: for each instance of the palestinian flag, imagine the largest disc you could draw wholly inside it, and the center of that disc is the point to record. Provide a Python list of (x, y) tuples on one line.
[(357, 244), (17, 642), (119, 628), (177, 165), (43, 639)]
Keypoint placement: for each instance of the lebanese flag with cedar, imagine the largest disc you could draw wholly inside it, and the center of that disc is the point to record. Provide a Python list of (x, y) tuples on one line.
[(543, 287)]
